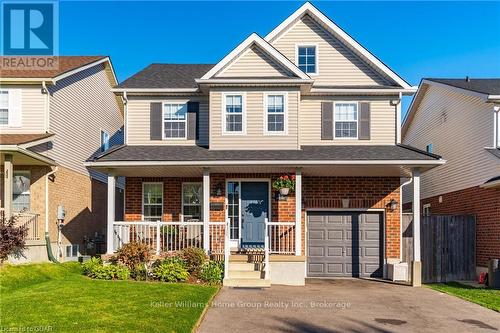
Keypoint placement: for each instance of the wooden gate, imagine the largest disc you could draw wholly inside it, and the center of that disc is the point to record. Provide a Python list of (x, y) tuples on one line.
[(448, 246)]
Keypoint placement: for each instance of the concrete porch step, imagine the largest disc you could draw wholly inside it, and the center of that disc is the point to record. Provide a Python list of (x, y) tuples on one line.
[(243, 266), (246, 283), (236, 274)]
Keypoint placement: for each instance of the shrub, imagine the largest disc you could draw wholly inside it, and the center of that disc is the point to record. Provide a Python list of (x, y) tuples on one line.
[(170, 270), (212, 272), (133, 254), (139, 272), (12, 238), (194, 259), (95, 269)]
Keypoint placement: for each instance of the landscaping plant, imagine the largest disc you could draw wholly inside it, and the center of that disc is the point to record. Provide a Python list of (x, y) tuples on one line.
[(212, 272), (133, 254), (12, 238), (170, 270), (95, 269), (284, 181), (194, 259)]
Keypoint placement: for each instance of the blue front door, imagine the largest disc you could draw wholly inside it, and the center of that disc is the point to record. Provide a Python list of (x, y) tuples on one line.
[(254, 210)]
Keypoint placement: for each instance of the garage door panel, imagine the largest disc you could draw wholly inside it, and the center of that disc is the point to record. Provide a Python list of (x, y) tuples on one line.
[(332, 250)]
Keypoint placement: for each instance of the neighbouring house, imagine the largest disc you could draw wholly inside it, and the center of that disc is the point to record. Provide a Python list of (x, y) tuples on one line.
[(204, 144), (51, 121), (459, 119)]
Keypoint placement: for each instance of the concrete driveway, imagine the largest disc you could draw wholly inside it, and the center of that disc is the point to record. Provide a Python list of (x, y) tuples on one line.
[(328, 306)]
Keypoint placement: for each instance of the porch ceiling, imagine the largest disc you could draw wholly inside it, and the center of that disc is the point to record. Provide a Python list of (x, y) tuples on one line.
[(25, 157), (320, 170)]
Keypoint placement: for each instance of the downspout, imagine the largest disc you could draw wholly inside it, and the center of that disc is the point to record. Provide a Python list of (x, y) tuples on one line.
[(45, 91), (50, 255)]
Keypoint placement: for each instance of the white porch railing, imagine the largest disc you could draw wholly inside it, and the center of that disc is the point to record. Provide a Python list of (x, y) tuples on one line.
[(281, 237), (168, 236), (28, 220)]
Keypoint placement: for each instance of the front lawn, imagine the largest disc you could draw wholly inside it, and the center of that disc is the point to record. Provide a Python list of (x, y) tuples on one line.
[(488, 298), (51, 297)]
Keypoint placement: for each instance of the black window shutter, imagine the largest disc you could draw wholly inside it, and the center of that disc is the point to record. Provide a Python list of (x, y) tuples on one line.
[(155, 119), (193, 109), (326, 121), (364, 121)]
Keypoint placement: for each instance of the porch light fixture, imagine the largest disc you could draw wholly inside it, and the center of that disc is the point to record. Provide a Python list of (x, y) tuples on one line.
[(392, 205), (218, 189)]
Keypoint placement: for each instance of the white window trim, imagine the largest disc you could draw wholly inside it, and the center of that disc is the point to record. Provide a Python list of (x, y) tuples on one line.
[(142, 198), (28, 192), (103, 148), (243, 112), (177, 102), (357, 121), (182, 199), (8, 109), (285, 113), (315, 45)]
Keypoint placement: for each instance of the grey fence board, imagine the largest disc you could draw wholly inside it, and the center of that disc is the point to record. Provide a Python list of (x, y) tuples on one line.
[(448, 246)]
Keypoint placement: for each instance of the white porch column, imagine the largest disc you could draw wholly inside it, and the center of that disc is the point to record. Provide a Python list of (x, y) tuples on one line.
[(111, 214), (298, 212), (8, 180), (417, 265), (206, 210)]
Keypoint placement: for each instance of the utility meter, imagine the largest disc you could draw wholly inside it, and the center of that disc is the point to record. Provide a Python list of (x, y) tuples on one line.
[(61, 213)]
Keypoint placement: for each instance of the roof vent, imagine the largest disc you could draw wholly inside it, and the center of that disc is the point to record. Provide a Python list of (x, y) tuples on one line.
[(467, 79)]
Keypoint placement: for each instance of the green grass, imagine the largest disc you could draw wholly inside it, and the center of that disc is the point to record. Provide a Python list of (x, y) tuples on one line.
[(58, 298), (488, 298)]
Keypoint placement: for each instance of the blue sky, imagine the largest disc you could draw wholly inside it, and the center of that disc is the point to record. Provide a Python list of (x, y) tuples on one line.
[(416, 39)]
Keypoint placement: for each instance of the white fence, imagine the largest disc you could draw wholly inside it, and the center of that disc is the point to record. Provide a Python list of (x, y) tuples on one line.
[(169, 236), (281, 237), (26, 219)]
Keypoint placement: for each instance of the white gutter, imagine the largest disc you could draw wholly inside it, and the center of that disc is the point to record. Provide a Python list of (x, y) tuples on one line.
[(414, 163), (252, 81), (79, 69), (495, 183), (125, 117), (155, 90), (47, 199), (388, 91), (493, 97), (27, 79), (35, 143)]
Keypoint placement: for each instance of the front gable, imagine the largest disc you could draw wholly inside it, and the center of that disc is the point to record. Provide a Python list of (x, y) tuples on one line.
[(337, 65), (254, 62)]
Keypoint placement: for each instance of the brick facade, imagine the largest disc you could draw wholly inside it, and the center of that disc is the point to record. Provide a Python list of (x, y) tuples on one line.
[(318, 192), (485, 205)]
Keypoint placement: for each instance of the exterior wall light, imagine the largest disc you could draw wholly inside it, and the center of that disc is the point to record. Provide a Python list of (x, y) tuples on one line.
[(392, 205)]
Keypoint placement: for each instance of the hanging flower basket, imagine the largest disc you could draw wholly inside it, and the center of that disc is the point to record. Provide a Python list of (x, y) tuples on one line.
[(284, 184)]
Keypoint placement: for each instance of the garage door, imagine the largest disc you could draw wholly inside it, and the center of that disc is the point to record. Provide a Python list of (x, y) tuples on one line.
[(344, 244)]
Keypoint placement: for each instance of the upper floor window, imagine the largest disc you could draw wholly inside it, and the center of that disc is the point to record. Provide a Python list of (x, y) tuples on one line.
[(4, 107), (346, 120), (275, 114), (104, 140), (152, 201), (233, 114), (307, 57), (174, 121)]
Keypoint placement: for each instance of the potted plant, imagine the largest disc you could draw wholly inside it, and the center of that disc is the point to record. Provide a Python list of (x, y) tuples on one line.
[(284, 184)]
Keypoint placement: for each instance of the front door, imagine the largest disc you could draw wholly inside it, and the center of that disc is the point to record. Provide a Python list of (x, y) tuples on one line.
[(254, 211)]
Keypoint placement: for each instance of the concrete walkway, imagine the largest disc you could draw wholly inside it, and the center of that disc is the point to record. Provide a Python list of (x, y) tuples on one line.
[(345, 306)]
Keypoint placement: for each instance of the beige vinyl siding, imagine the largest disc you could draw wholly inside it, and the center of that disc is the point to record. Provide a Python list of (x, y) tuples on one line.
[(337, 65), (459, 127), (80, 106), (138, 120), (253, 63), (32, 110), (255, 137), (382, 120)]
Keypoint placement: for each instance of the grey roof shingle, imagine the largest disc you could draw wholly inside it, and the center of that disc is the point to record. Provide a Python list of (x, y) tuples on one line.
[(483, 86), (323, 153), (167, 76)]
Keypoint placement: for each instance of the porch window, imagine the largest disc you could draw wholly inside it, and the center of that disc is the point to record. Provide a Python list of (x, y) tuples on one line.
[(346, 120), (233, 114), (21, 191), (174, 121), (233, 209), (152, 201), (192, 194), (4, 107), (275, 110), (307, 56)]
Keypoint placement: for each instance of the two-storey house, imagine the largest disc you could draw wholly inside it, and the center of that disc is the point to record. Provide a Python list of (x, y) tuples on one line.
[(459, 119), (205, 143), (51, 120)]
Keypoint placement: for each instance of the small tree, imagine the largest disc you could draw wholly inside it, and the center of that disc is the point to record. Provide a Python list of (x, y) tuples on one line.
[(12, 238)]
